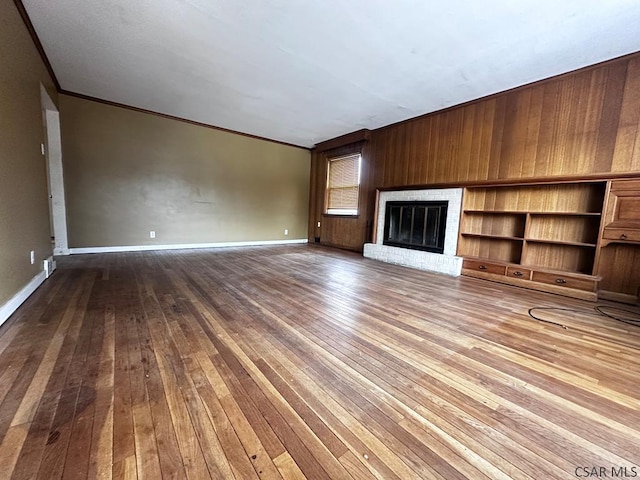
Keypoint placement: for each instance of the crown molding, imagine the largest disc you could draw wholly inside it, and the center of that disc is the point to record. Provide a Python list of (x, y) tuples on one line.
[(36, 41), (173, 117)]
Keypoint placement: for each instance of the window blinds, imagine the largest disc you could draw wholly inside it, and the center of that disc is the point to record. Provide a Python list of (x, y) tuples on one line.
[(343, 184)]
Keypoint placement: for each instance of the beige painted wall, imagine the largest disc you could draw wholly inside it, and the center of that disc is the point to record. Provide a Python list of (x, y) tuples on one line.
[(127, 173), (24, 210)]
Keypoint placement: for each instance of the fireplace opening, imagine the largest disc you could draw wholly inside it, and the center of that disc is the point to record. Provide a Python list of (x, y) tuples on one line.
[(418, 225)]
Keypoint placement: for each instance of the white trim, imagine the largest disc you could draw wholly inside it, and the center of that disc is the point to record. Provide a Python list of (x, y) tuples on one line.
[(55, 175), (18, 299), (180, 246)]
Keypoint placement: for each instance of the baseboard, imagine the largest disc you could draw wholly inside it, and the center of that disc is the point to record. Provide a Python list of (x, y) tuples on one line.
[(618, 297), (181, 246), (18, 299)]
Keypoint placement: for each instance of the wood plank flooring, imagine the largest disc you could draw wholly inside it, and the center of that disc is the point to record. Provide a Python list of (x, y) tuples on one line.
[(307, 362)]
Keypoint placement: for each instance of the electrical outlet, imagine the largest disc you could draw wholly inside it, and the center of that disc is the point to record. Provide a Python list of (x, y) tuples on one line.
[(33, 257), (152, 234), (318, 224), (286, 231)]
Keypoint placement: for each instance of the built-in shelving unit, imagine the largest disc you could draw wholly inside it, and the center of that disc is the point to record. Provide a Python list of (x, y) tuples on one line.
[(540, 236)]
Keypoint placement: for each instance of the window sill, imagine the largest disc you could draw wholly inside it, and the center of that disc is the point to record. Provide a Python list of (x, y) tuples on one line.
[(340, 215)]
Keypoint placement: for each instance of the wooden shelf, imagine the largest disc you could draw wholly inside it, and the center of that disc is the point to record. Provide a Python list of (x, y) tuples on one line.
[(496, 249), (480, 259), (497, 237), (495, 212), (568, 214), (521, 212), (561, 242)]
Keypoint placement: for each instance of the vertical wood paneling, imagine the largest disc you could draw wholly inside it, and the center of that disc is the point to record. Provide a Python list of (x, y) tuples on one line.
[(465, 143), (561, 139), (512, 133), (544, 151), (431, 125), (610, 116), (626, 156), (533, 131), (582, 123), (577, 132), (486, 135)]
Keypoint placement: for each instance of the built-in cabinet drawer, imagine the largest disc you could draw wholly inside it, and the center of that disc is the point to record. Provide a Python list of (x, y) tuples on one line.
[(576, 285), (518, 272), (622, 234), (567, 281), (622, 185), (482, 266)]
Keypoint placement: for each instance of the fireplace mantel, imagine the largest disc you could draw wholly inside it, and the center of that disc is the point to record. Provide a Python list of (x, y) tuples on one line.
[(447, 262)]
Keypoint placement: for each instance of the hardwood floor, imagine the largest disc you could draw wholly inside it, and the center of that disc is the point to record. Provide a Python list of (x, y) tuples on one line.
[(305, 362)]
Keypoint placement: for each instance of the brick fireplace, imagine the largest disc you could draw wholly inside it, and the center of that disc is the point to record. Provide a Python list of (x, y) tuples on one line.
[(446, 262)]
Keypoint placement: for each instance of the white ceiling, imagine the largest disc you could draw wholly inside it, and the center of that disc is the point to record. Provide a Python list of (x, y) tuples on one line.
[(304, 71)]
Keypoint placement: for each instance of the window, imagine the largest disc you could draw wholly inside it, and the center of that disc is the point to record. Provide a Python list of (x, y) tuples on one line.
[(343, 185)]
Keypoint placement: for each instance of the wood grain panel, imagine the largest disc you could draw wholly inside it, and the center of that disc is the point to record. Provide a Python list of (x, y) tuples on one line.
[(307, 362), (626, 156), (620, 273)]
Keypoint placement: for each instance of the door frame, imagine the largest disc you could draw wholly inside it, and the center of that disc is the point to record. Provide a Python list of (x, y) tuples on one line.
[(55, 174)]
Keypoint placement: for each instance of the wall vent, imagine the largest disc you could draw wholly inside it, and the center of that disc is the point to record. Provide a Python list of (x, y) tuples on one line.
[(49, 266)]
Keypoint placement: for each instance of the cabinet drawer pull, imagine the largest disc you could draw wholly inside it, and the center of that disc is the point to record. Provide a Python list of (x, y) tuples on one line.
[(517, 273), (561, 281), (623, 236), (482, 267)]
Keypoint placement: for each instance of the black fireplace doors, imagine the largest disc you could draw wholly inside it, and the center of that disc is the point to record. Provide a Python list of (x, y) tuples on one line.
[(419, 225)]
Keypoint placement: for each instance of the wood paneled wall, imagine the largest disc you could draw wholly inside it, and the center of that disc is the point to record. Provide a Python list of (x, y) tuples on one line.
[(339, 231), (582, 123)]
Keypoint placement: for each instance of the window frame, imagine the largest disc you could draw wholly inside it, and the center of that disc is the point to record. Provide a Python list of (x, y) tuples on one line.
[(332, 212)]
